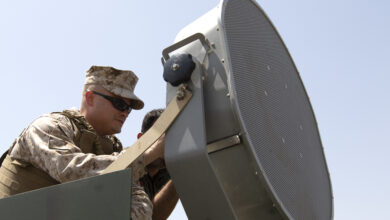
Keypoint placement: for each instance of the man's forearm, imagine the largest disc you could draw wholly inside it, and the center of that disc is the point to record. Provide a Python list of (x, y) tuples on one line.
[(155, 151), (165, 201)]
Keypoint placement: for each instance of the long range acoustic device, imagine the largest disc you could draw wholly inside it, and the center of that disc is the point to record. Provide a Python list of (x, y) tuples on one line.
[(247, 145)]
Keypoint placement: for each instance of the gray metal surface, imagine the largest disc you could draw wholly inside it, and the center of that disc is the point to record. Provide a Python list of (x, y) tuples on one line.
[(188, 163), (251, 88), (247, 193), (275, 112), (98, 198), (223, 144)]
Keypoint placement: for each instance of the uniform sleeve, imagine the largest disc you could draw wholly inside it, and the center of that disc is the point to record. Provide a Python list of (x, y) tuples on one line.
[(141, 206), (48, 145)]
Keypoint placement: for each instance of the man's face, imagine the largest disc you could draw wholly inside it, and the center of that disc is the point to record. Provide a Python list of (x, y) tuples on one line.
[(105, 118)]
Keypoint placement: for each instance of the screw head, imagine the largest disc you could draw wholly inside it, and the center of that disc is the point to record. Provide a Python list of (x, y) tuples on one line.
[(175, 67)]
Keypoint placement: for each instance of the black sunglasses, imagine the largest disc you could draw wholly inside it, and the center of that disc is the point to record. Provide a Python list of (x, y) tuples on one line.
[(118, 103)]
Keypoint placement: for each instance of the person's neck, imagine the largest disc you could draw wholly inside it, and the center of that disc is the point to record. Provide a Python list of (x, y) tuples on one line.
[(90, 120)]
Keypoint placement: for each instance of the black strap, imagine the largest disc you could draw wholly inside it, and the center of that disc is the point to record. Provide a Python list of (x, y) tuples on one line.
[(3, 157)]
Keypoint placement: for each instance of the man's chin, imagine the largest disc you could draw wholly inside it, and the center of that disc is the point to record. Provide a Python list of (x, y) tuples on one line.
[(117, 130)]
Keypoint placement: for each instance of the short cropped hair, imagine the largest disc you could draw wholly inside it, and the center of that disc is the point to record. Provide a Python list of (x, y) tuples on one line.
[(150, 118)]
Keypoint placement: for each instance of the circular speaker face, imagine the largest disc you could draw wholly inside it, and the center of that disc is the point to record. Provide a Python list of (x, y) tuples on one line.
[(276, 114)]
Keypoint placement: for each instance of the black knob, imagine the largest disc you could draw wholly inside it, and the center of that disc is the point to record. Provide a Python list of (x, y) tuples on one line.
[(178, 69)]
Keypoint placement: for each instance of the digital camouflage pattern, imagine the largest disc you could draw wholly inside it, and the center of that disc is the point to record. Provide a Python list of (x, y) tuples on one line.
[(119, 82), (48, 144)]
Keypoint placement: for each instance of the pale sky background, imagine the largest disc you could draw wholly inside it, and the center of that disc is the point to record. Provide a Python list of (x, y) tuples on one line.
[(339, 47)]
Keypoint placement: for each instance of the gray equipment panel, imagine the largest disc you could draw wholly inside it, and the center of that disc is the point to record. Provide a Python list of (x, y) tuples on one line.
[(276, 113), (99, 198), (186, 137), (251, 89)]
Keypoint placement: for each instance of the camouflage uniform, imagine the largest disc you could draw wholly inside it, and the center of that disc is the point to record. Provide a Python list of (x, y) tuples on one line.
[(48, 144)]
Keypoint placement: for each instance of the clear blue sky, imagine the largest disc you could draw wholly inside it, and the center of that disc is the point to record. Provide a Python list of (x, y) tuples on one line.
[(339, 47)]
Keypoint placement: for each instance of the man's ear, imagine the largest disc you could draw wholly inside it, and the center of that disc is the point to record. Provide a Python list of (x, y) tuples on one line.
[(89, 98), (139, 135)]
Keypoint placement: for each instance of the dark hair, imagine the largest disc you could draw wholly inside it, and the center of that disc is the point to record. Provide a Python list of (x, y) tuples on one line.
[(150, 118)]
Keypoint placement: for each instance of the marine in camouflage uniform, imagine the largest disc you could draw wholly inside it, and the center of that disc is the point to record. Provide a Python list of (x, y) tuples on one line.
[(63, 146)]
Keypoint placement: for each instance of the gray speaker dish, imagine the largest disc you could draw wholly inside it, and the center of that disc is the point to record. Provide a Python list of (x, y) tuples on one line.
[(247, 146)]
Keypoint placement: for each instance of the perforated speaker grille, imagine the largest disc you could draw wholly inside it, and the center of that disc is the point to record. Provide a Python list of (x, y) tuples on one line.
[(276, 113)]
